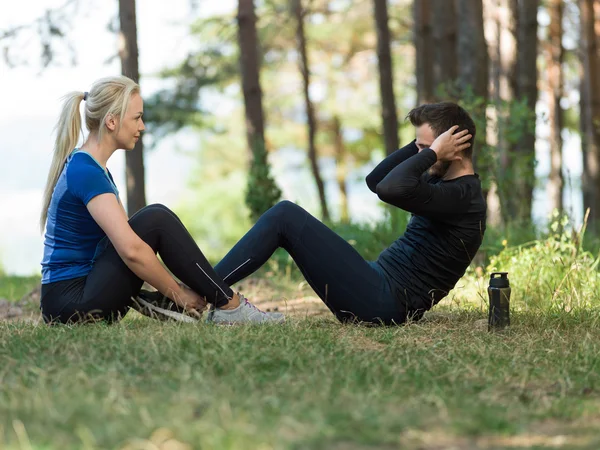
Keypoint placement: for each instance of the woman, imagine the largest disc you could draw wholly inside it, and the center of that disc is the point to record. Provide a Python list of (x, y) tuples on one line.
[(95, 259)]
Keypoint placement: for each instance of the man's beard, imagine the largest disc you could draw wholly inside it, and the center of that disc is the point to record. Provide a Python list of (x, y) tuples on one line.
[(439, 169)]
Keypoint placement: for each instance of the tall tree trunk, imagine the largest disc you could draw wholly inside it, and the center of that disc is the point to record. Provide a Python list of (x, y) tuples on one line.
[(527, 43), (262, 192), (310, 113), (445, 66), (386, 77), (472, 52), (492, 25), (128, 53), (249, 63), (590, 109), (341, 168), (505, 89), (423, 42), (473, 62), (555, 85)]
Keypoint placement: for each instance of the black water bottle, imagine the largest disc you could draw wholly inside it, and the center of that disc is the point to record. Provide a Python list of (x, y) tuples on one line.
[(499, 293)]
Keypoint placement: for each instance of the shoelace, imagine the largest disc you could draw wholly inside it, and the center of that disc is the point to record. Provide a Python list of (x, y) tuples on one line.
[(250, 304)]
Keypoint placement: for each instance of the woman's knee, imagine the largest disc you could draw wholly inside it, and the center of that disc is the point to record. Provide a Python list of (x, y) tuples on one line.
[(155, 212)]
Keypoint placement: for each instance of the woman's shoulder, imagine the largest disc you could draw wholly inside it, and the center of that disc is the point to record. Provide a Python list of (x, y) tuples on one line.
[(81, 161)]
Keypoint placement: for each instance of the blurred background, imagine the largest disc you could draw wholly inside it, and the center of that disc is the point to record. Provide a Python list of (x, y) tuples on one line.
[(249, 102)]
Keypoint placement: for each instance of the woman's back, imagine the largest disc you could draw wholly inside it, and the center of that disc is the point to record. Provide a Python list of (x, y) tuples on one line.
[(72, 235)]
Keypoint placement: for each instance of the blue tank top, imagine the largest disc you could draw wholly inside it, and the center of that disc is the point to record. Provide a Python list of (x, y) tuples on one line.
[(73, 239)]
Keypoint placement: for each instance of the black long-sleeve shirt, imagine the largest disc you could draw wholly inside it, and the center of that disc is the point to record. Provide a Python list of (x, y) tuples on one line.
[(445, 230)]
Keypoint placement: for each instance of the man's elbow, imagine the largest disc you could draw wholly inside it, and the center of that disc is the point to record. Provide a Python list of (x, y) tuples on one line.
[(396, 194)]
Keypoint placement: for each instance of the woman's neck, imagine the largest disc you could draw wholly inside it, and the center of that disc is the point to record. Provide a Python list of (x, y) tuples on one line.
[(101, 150)]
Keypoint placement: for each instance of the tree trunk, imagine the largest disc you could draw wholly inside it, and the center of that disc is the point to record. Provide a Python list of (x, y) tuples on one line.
[(341, 168), (310, 113), (590, 110), (128, 53), (505, 92), (445, 66), (492, 25), (473, 60), (473, 63), (555, 86), (262, 192), (423, 42), (527, 43), (248, 43), (386, 77)]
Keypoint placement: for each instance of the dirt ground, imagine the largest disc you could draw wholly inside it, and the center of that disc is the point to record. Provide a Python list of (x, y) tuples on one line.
[(299, 301)]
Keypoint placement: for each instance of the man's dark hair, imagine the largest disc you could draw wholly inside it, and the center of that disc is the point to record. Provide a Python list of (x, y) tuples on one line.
[(442, 116)]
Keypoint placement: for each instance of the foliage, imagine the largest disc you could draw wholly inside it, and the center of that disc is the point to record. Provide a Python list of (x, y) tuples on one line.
[(13, 288), (552, 272), (261, 192)]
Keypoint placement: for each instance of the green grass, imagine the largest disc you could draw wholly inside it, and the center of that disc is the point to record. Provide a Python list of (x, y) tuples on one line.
[(15, 287), (442, 383)]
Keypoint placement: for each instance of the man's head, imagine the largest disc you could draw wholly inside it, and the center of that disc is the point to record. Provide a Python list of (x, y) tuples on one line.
[(433, 119)]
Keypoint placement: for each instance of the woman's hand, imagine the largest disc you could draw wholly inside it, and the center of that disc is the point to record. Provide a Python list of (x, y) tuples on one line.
[(448, 145), (190, 301)]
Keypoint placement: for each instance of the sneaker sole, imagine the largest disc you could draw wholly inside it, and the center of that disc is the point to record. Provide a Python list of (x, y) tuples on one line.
[(166, 312)]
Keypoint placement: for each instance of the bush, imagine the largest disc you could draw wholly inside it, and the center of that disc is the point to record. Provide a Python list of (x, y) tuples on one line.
[(553, 272)]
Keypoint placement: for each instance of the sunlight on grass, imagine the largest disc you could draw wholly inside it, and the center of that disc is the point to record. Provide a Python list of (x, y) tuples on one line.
[(307, 384)]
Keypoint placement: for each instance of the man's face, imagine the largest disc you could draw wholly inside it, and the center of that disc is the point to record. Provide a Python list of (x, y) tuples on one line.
[(425, 138)]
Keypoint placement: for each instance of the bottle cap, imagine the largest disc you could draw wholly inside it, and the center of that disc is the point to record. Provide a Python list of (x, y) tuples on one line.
[(499, 280)]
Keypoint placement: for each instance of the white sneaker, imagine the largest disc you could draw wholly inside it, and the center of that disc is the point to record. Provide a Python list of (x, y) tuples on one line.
[(245, 313), (155, 305)]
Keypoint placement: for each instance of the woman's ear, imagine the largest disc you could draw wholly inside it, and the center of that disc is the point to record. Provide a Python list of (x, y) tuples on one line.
[(111, 122)]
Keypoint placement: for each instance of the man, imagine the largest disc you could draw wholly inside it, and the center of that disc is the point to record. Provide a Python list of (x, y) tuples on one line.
[(432, 178), (444, 195)]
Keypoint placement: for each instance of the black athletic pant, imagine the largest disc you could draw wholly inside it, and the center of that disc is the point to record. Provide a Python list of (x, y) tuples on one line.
[(352, 288), (106, 292)]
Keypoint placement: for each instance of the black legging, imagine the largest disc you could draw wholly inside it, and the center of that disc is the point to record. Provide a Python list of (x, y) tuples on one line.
[(351, 287), (106, 292)]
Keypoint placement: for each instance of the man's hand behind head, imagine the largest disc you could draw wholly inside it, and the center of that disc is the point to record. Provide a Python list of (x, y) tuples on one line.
[(449, 145)]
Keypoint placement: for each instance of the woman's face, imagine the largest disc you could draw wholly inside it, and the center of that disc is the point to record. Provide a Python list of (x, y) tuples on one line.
[(132, 124)]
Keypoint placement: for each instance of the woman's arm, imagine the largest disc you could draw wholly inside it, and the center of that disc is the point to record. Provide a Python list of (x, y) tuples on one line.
[(135, 253), (386, 166)]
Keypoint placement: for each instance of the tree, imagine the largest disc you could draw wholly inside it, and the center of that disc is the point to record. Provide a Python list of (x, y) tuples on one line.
[(515, 97), (423, 42), (386, 77), (341, 168), (445, 67), (311, 121), (262, 192), (128, 53), (590, 108), (473, 64), (527, 43), (555, 88), (472, 52)]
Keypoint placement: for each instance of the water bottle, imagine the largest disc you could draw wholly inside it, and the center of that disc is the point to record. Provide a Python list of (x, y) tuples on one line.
[(499, 293)]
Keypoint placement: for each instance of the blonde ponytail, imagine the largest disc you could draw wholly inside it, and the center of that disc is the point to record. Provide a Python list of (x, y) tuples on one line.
[(68, 130), (108, 97)]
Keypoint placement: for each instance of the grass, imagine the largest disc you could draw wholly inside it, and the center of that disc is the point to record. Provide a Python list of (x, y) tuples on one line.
[(15, 287), (308, 384), (442, 383)]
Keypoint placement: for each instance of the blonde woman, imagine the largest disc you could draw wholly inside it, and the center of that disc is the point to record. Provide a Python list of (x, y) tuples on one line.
[(95, 258)]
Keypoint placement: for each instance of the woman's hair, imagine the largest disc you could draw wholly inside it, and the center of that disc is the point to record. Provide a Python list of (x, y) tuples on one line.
[(107, 97)]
